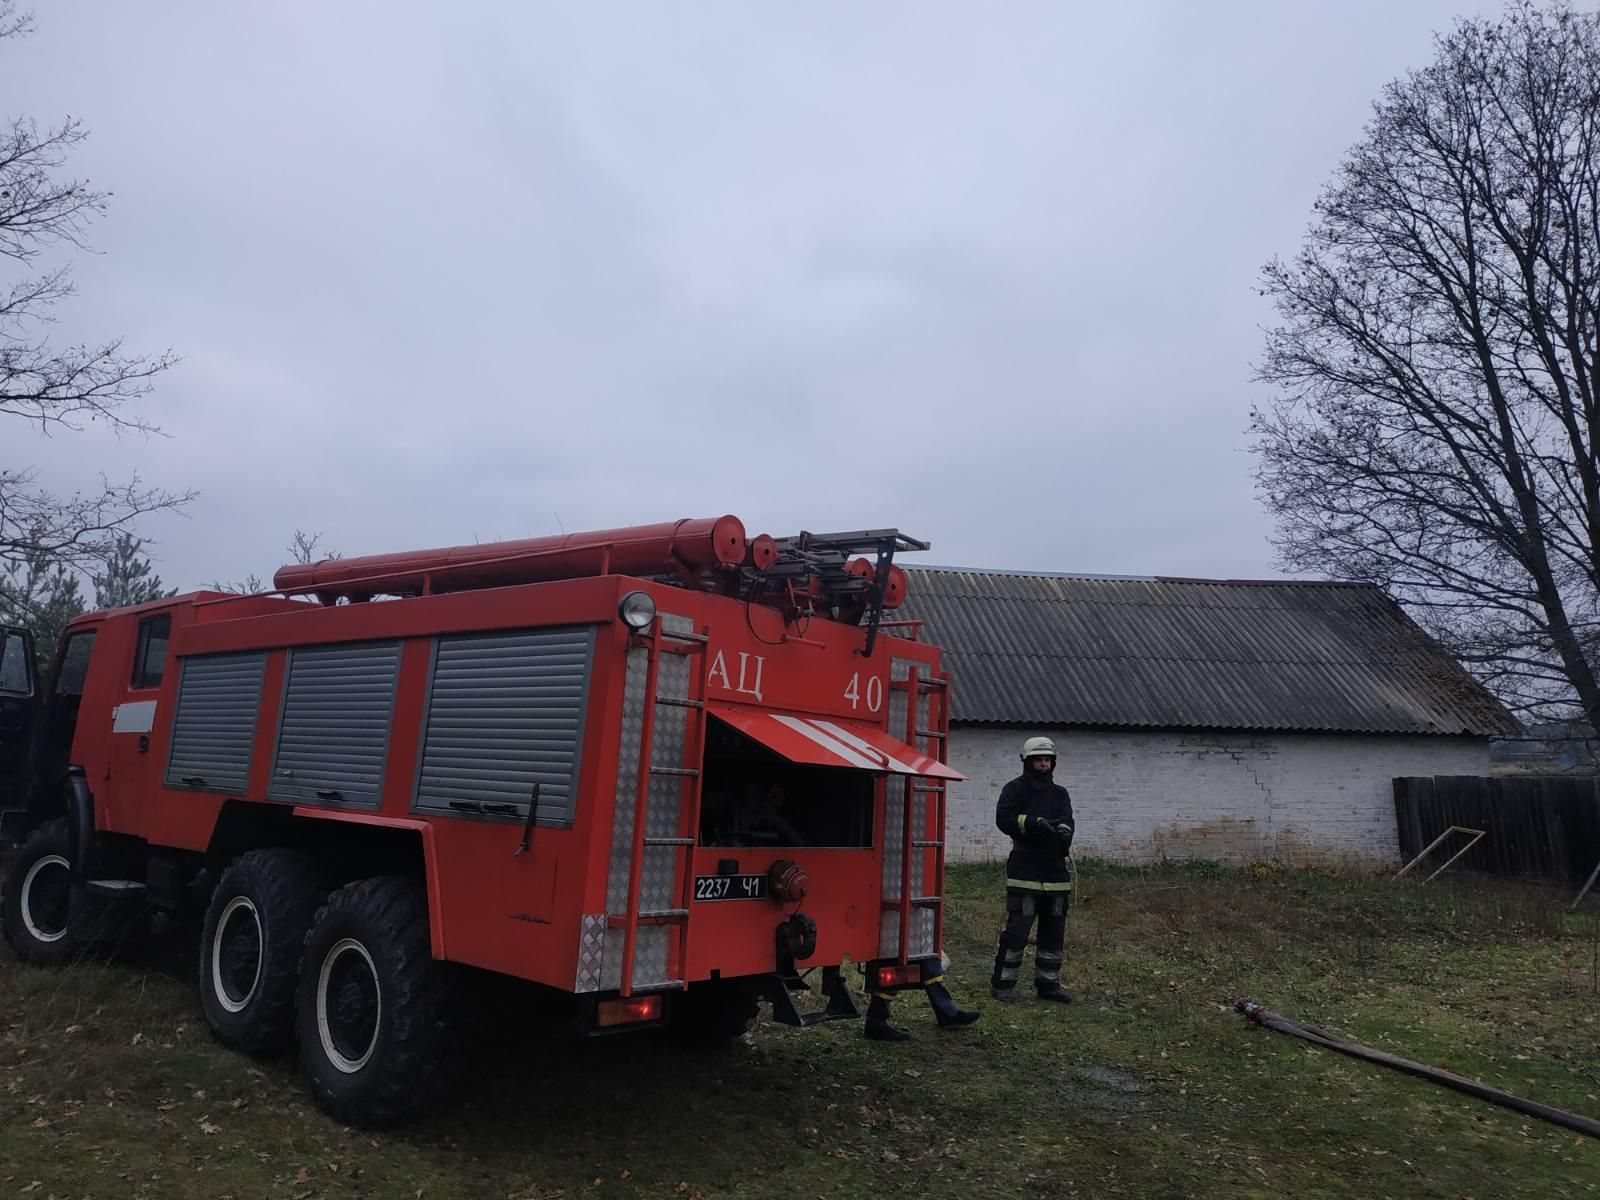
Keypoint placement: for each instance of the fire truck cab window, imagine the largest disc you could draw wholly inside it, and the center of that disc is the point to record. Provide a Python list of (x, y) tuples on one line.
[(66, 693), (15, 677), (74, 664), (150, 659), (753, 797)]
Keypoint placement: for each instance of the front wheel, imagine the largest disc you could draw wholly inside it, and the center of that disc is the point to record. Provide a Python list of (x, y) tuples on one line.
[(47, 919), (370, 1003)]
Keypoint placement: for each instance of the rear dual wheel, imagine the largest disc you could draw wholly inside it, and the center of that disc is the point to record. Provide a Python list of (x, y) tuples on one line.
[(370, 1004)]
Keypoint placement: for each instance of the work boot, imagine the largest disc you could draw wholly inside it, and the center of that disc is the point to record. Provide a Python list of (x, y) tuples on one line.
[(945, 1009), (1005, 995), (878, 1028), (1059, 995)]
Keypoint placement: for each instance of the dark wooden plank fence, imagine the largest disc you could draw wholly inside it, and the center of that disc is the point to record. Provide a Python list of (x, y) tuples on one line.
[(1538, 826)]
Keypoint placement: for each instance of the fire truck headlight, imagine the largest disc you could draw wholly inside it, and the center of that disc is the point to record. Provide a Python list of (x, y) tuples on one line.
[(637, 610)]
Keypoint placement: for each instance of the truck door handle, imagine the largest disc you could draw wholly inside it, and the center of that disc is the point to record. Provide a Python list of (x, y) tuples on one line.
[(331, 794)]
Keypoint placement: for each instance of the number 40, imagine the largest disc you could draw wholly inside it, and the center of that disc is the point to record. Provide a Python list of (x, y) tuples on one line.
[(874, 692)]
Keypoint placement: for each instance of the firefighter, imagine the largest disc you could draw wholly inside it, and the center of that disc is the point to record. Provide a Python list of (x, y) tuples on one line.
[(946, 1011), (1036, 813)]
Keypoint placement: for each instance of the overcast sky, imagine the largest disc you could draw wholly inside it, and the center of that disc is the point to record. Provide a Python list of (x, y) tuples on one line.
[(444, 273)]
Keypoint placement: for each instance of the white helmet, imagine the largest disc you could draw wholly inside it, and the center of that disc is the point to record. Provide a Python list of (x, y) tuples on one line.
[(1036, 747)]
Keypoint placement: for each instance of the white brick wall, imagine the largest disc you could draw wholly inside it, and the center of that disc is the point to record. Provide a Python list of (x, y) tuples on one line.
[(1308, 799)]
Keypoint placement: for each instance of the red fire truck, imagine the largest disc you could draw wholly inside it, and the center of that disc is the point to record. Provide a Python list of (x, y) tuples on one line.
[(659, 770)]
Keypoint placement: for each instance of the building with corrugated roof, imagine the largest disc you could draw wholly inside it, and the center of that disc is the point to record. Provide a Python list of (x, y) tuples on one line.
[(1220, 719)]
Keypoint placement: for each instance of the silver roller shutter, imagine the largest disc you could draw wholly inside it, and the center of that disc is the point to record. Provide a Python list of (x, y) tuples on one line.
[(505, 710), (219, 698), (338, 706)]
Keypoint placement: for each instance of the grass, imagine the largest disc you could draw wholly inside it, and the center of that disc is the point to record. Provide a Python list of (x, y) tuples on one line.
[(1149, 1085)]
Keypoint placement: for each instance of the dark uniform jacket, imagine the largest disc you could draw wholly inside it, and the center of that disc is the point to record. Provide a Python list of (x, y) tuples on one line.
[(1038, 861)]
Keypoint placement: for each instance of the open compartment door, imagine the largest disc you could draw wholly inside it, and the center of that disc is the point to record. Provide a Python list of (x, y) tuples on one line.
[(830, 742)]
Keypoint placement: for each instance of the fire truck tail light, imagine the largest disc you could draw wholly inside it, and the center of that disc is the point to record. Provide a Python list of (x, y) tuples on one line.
[(637, 610), (906, 976), (629, 1011)]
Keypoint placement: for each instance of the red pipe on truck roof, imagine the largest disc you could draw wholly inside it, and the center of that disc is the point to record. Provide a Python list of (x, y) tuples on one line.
[(705, 544)]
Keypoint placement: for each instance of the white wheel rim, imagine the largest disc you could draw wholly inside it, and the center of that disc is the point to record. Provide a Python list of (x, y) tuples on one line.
[(233, 906), (344, 1063), (26, 902)]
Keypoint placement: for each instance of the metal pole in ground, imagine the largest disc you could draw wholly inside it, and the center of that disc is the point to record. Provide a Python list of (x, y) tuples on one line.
[(1593, 875), (1310, 1033)]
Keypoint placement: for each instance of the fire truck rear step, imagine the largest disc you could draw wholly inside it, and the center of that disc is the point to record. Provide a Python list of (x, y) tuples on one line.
[(841, 1007), (120, 888)]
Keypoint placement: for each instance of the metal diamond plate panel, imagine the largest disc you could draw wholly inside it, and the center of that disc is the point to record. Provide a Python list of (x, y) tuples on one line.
[(894, 839), (889, 935), (591, 951), (611, 961), (664, 805), (924, 812), (650, 956), (921, 932), (627, 781)]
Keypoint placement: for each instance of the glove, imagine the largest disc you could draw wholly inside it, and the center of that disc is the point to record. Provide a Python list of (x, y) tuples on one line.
[(1064, 832)]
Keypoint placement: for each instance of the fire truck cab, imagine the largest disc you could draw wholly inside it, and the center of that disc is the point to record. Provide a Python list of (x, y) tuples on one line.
[(656, 771)]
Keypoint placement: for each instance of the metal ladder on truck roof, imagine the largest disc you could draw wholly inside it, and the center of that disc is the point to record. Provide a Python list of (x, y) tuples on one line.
[(933, 739), (659, 641)]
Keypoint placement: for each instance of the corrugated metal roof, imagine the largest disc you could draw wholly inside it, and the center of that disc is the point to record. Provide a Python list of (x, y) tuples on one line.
[(1054, 650)]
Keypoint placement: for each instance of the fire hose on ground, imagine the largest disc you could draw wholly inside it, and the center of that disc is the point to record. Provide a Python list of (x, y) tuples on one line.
[(1257, 1015)]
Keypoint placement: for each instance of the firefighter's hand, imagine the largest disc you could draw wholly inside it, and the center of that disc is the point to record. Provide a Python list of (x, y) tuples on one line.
[(1064, 832)]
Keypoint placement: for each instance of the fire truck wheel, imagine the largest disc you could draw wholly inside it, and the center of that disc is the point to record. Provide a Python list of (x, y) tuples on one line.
[(712, 1014), (47, 919), (371, 997), (250, 948)]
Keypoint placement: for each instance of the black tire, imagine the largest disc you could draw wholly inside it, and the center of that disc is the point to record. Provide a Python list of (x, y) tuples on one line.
[(47, 919), (371, 1003), (713, 1013), (250, 948)]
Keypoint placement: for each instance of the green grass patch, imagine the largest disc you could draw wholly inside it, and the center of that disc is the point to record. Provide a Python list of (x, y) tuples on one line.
[(1149, 1085)]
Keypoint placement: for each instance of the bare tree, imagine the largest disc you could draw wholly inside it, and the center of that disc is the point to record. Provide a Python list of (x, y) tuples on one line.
[(302, 548), (50, 386), (1437, 412)]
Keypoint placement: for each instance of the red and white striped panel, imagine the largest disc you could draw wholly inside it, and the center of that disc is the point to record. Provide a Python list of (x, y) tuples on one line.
[(827, 742)]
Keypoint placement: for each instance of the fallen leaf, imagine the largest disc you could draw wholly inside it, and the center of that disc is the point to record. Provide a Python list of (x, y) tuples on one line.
[(303, 1177), (913, 1074), (137, 1038), (208, 1127), (71, 1029)]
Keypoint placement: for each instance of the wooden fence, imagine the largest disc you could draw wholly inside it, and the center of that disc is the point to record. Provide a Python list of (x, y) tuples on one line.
[(1536, 826)]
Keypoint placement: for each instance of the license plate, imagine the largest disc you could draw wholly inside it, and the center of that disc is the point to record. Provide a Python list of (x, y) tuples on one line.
[(730, 887)]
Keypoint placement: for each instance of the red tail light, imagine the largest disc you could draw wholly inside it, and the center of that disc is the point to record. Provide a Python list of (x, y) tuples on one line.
[(892, 977), (629, 1011)]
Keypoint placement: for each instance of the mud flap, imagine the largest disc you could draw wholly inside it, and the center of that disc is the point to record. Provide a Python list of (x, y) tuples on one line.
[(80, 824)]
